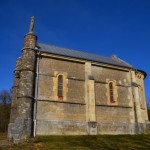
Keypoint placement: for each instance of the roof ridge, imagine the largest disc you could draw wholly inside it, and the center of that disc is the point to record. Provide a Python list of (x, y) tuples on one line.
[(115, 57)]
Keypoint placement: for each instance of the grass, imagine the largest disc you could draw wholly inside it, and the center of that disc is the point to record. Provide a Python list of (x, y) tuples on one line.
[(3, 136), (100, 142)]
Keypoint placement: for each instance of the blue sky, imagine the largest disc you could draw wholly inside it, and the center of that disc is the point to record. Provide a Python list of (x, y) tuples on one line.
[(104, 27)]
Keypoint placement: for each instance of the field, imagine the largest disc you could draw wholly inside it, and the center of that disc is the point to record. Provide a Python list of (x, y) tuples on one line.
[(100, 142)]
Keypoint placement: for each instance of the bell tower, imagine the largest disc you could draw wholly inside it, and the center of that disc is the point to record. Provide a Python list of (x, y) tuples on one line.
[(21, 126)]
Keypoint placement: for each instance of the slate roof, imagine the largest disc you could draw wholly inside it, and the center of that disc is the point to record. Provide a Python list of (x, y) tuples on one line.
[(81, 55)]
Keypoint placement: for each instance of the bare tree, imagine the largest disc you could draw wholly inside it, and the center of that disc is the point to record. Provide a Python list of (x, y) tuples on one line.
[(5, 100), (5, 97)]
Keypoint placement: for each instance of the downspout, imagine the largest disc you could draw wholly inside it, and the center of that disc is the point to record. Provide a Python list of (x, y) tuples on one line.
[(36, 94)]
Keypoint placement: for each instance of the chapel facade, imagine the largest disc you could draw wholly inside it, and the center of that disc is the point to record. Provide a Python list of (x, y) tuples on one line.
[(60, 91)]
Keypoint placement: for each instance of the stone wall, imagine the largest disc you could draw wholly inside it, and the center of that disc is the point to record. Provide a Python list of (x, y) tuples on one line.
[(45, 127), (56, 116), (102, 74), (113, 114), (76, 92), (60, 118), (116, 128), (45, 88), (100, 94), (75, 79), (77, 113), (48, 66), (141, 91), (21, 122), (47, 110), (15, 89)]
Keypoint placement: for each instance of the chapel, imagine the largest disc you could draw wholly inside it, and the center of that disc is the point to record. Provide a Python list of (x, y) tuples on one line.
[(61, 91)]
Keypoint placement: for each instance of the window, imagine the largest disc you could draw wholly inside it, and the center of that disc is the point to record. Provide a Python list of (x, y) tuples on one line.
[(111, 92), (60, 87)]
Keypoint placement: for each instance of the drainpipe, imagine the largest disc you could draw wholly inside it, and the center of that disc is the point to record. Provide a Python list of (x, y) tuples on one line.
[(36, 94)]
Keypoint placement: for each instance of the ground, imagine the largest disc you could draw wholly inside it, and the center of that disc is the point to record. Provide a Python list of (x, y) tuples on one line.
[(100, 142)]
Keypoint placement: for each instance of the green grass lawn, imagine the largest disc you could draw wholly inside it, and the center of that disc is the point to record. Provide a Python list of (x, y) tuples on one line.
[(100, 142)]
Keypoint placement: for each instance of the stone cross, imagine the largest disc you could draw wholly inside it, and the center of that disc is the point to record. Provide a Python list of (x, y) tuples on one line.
[(31, 30)]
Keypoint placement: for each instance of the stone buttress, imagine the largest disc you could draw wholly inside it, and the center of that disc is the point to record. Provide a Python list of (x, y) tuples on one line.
[(21, 120)]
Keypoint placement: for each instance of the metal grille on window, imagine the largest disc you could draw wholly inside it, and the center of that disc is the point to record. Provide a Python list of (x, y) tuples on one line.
[(60, 86)]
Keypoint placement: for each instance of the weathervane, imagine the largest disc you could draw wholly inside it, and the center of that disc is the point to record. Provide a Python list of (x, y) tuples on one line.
[(31, 30)]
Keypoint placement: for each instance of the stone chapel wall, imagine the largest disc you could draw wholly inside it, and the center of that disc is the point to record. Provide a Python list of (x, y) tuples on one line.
[(122, 111), (56, 116)]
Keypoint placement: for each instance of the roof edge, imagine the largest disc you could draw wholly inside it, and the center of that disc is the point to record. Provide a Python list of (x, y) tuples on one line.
[(145, 74)]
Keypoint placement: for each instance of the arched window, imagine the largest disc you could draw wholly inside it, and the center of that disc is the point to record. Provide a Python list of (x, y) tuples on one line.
[(111, 92), (60, 86)]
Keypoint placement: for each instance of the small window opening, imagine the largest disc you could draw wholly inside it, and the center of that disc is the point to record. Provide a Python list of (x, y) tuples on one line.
[(111, 92), (60, 87)]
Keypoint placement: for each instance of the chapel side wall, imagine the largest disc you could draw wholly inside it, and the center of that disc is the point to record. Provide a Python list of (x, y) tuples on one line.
[(74, 72), (56, 116), (60, 118), (106, 112)]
